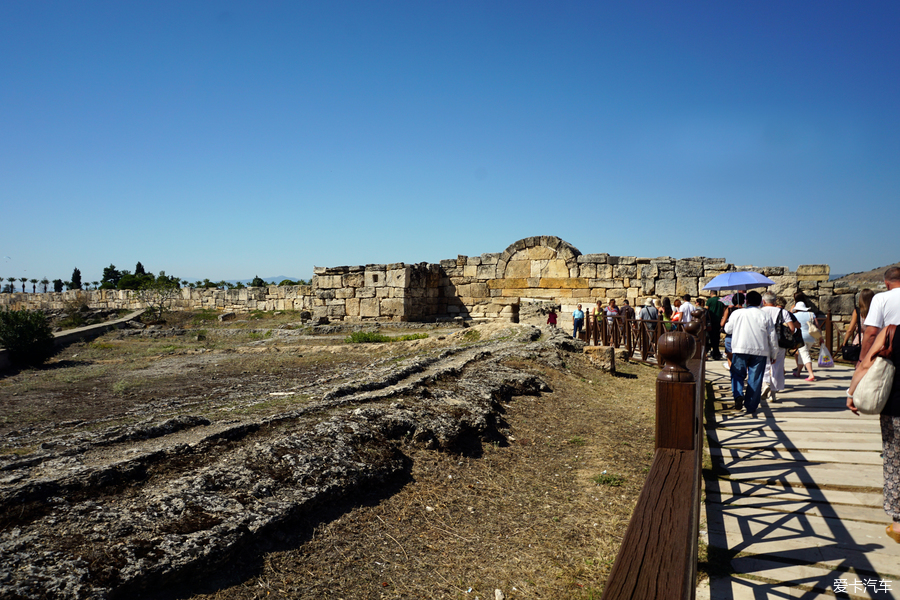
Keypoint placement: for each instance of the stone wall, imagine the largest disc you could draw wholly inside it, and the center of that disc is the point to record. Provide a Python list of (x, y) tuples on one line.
[(492, 286), (296, 297)]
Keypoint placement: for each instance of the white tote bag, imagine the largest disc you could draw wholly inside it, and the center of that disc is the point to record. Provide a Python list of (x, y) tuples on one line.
[(874, 389)]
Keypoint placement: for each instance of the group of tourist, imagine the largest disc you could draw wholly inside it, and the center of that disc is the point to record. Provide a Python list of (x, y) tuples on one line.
[(755, 359)]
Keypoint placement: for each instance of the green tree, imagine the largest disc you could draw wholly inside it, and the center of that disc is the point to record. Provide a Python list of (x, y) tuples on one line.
[(57, 285), (158, 293), (26, 335), (12, 281), (34, 283), (111, 277), (24, 280), (45, 282), (139, 269), (258, 282), (76, 280)]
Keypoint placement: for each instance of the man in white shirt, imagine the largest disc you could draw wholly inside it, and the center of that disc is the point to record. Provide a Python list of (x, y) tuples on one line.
[(753, 344), (883, 311), (773, 380), (686, 309)]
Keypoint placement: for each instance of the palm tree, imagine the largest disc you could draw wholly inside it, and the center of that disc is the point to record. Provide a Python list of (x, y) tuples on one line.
[(34, 286), (11, 280), (24, 280), (45, 282)]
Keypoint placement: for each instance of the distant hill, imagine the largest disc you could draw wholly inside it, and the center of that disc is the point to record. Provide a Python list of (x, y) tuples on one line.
[(871, 278)]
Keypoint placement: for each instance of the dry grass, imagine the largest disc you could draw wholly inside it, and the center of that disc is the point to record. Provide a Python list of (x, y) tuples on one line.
[(526, 518)]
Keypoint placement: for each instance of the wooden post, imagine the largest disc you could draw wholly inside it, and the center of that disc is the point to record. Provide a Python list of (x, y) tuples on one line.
[(829, 333), (675, 392)]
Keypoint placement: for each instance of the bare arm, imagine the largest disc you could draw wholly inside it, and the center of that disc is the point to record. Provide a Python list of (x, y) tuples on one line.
[(851, 328)]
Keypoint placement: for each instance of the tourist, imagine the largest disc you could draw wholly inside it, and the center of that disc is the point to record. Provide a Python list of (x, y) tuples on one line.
[(804, 316), (667, 312), (676, 310), (773, 380), (857, 326), (884, 310), (737, 302), (716, 310), (649, 313), (754, 344), (577, 321), (551, 317), (686, 309), (626, 310)]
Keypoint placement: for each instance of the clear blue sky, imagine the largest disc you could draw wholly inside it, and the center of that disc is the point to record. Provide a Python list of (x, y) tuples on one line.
[(225, 140)]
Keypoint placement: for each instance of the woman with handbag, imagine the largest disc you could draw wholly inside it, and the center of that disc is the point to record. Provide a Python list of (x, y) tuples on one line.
[(810, 336), (737, 302), (851, 344), (881, 323)]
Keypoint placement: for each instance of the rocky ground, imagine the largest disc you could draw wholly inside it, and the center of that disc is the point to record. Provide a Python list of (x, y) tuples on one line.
[(236, 462)]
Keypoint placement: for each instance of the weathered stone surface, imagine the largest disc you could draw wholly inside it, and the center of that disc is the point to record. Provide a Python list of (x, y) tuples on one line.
[(812, 278), (375, 278), (509, 283), (603, 357), (518, 268), (563, 283), (593, 258), (814, 270), (588, 271), (486, 271), (687, 285), (622, 271), (665, 287)]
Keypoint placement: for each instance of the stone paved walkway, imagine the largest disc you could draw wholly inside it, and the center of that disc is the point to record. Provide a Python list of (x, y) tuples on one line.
[(796, 503)]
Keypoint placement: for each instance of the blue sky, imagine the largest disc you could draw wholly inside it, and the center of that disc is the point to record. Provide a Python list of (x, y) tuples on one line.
[(226, 140)]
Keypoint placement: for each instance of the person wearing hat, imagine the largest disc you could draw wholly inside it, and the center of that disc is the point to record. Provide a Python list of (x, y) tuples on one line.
[(804, 316), (649, 313)]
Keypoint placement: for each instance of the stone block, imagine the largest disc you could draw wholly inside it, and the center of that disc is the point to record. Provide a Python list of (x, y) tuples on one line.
[(336, 311), (597, 259), (448, 263), (807, 285), (534, 282), (770, 271), (382, 292), (627, 260), (648, 286), (352, 307), (365, 292), (665, 287), (461, 260), (612, 260), (319, 270), (328, 281), (518, 268), (688, 269), (470, 270), (663, 260), (604, 357), (473, 261), (588, 271), (375, 278), (622, 271), (687, 285), (399, 278), (490, 258), (616, 293), (486, 271), (812, 277), (840, 305), (563, 283), (393, 307), (581, 293), (501, 284), (605, 283), (648, 271), (325, 294), (355, 280), (536, 253), (814, 270)]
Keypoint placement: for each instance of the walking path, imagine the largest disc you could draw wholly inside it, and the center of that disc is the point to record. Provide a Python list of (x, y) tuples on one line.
[(795, 502)]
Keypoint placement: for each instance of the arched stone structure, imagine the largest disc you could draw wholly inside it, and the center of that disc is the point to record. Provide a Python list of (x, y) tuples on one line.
[(538, 256)]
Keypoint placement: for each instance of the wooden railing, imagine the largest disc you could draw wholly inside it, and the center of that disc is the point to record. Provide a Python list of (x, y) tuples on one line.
[(658, 555), (638, 337)]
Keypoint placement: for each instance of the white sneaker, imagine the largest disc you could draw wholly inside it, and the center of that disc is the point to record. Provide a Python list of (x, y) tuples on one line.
[(766, 391)]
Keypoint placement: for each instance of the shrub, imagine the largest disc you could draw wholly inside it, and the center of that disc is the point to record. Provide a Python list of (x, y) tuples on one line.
[(370, 337), (27, 336)]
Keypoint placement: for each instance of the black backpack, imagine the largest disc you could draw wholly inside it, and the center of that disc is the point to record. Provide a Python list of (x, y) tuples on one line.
[(787, 339)]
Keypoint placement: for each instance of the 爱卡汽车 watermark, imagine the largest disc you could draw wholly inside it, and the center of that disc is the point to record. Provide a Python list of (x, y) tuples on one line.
[(874, 585)]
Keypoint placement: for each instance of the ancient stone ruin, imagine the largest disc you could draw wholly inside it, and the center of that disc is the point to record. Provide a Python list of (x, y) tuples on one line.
[(539, 269)]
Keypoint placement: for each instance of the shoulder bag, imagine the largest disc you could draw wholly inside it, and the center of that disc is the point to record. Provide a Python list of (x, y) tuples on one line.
[(851, 349), (785, 335), (874, 389), (814, 330)]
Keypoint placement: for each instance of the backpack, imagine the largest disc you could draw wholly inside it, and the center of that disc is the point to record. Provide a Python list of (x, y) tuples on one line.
[(786, 338)]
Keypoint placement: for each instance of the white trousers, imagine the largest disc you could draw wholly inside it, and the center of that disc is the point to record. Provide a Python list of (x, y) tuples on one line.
[(774, 375)]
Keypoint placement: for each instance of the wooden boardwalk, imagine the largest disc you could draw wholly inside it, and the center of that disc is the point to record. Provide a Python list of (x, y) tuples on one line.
[(795, 501)]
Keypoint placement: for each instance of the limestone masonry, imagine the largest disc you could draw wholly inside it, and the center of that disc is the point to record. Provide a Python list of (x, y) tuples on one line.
[(491, 286)]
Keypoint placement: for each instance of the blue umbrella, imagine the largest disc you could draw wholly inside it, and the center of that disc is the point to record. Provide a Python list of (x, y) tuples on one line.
[(738, 280)]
